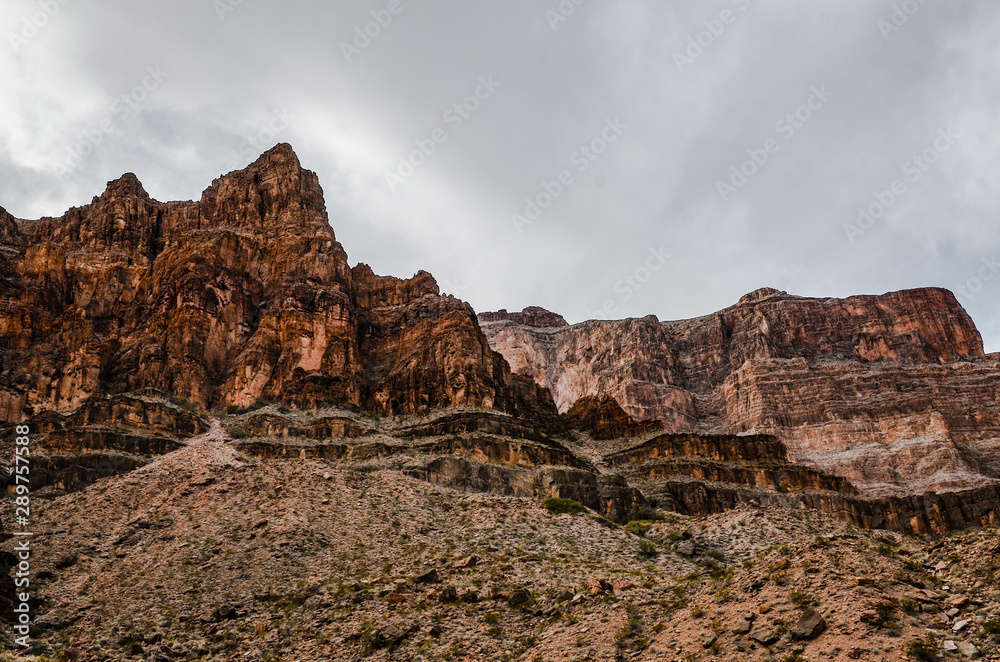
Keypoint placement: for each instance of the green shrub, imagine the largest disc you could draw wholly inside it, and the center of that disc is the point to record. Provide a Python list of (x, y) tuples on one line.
[(232, 409), (637, 528), (992, 626), (558, 506), (645, 514), (237, 432), (924, 649), (886, 612)]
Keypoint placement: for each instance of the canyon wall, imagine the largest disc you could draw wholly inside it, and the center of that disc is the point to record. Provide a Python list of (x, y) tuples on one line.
[(892, 392), (242, 296)]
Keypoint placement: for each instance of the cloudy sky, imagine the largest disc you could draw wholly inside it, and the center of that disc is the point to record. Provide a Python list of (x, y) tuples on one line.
[(598, 158)]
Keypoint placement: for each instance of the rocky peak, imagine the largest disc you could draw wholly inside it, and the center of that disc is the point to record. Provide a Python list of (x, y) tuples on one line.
[(530, 316), (374, 291), (128, 185), (760, 295), (9, 232), (274, 194)]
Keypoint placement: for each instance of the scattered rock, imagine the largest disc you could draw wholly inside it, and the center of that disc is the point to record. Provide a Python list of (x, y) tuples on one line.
[(685, 548), (871, 617), (467, 562), (428, 577), (886, 537), (520, 597), (597, 586), (765, 635), (390, 637), (448, 594), (66, 560), (223, 613), (810, 625), (968, 649)]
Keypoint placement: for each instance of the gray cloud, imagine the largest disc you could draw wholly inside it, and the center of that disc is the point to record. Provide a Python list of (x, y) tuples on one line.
[(270, 72)]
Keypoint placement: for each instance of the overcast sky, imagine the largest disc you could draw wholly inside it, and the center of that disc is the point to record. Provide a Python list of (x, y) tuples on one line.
[(645, 110)]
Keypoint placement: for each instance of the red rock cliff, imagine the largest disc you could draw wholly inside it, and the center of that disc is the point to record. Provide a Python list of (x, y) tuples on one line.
[(244, 295), (893, 392)]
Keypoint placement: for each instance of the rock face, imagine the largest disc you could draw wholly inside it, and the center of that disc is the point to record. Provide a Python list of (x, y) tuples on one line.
[(244, 295), (130, 329), (892, 392), (530, 316), (605, 419)]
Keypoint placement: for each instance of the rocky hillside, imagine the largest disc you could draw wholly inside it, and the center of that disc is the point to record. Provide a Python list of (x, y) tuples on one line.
[(232, 551)]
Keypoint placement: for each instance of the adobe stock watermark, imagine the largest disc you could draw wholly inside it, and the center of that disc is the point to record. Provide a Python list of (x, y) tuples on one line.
[(630, 283), (256, 143), (124, 107), (901, 14), (562, 12), (715, 28), (913, 169), (364, 34), (454, 117), (787, 127), (32, 25), (984, 274), (581, 159), (223, 7), (453, 286)]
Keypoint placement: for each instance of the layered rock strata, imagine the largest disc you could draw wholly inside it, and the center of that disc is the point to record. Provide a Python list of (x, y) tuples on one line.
[(242, 296), (129, 326), (892, 392)]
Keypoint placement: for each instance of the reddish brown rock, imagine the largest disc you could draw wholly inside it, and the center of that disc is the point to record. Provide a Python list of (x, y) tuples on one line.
[(245, 295), (605, 419), (892, 392), (530, 316)]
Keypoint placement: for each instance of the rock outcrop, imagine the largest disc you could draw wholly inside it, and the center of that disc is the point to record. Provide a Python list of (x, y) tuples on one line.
[(892, 392), (242, 296), (605, 419), (530, 316)]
